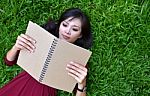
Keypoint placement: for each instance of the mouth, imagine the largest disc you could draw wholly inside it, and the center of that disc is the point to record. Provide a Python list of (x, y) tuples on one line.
[(65, 37)]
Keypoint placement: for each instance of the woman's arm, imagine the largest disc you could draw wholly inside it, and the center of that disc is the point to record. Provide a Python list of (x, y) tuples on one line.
[(12, 54), (81, 89), (11, 57), (23, 42), (79, 72)]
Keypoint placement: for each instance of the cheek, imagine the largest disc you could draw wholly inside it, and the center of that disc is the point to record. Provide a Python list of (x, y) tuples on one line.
[(75, 35), (61, 30)]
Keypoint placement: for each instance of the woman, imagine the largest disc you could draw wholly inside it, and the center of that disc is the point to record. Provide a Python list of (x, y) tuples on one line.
[(74, 27)]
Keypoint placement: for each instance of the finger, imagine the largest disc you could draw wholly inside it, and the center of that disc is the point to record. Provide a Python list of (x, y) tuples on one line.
[(75, 74), (33, 41), (75, 77), (24, 45), (70, 70), (27, 42), (21, 47), (70, 66), (80, 80), (82, 67), (82, 73)]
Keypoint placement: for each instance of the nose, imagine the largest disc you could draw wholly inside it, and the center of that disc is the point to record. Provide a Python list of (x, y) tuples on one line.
[(68, 31)]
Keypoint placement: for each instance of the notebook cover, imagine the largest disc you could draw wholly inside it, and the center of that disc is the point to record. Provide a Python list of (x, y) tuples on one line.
[(56, 75)]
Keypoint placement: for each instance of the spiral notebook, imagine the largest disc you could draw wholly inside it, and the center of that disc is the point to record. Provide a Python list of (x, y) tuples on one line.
[(48, 63)]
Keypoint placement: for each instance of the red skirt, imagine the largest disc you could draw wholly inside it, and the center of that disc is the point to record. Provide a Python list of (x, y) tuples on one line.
[(25, 85)]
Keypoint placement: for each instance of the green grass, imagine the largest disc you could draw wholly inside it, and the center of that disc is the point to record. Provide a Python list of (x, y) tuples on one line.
[(120, 63)]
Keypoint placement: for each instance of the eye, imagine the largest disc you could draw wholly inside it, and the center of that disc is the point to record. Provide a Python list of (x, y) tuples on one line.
[(75, 29), (65, 25)]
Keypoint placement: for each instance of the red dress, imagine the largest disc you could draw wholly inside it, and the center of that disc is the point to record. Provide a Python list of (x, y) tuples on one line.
[(25, 85)]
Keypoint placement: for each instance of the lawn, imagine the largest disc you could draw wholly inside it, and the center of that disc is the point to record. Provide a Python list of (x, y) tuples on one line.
[(120, 63)]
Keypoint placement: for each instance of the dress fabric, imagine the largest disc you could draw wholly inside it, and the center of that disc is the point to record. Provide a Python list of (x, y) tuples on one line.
[(24, 85)]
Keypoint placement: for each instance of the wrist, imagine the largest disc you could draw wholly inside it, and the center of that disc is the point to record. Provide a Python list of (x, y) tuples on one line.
[(83, 84), (81, 87)]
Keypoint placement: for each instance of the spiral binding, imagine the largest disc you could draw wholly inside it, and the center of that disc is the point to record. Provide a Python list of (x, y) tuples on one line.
[(48, 59)]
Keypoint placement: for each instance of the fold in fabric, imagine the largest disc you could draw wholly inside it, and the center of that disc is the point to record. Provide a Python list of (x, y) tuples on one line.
[(25, 85)]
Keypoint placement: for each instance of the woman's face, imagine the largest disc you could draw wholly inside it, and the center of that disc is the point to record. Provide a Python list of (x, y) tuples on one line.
[(70, 29)]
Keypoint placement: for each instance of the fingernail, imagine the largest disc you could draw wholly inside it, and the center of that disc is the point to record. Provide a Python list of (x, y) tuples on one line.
[(29, 51), (71, 62), (33, 51), (34, 41), (33, 47), (68, 65), (66, 68)]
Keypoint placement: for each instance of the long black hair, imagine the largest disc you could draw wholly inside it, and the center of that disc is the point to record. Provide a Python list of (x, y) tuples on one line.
[(86, 40)]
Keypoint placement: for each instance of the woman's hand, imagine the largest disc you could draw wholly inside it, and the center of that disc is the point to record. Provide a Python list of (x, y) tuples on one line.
[(24, 42), (78, 72)]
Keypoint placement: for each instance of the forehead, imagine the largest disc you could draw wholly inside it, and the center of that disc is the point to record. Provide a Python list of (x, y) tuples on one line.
[(74, 21)]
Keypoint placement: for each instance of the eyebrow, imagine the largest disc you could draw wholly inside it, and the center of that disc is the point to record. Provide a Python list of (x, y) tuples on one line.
[(73, 25)]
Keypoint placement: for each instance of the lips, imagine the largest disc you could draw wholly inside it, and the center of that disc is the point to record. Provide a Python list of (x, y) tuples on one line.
[(65, 37)]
